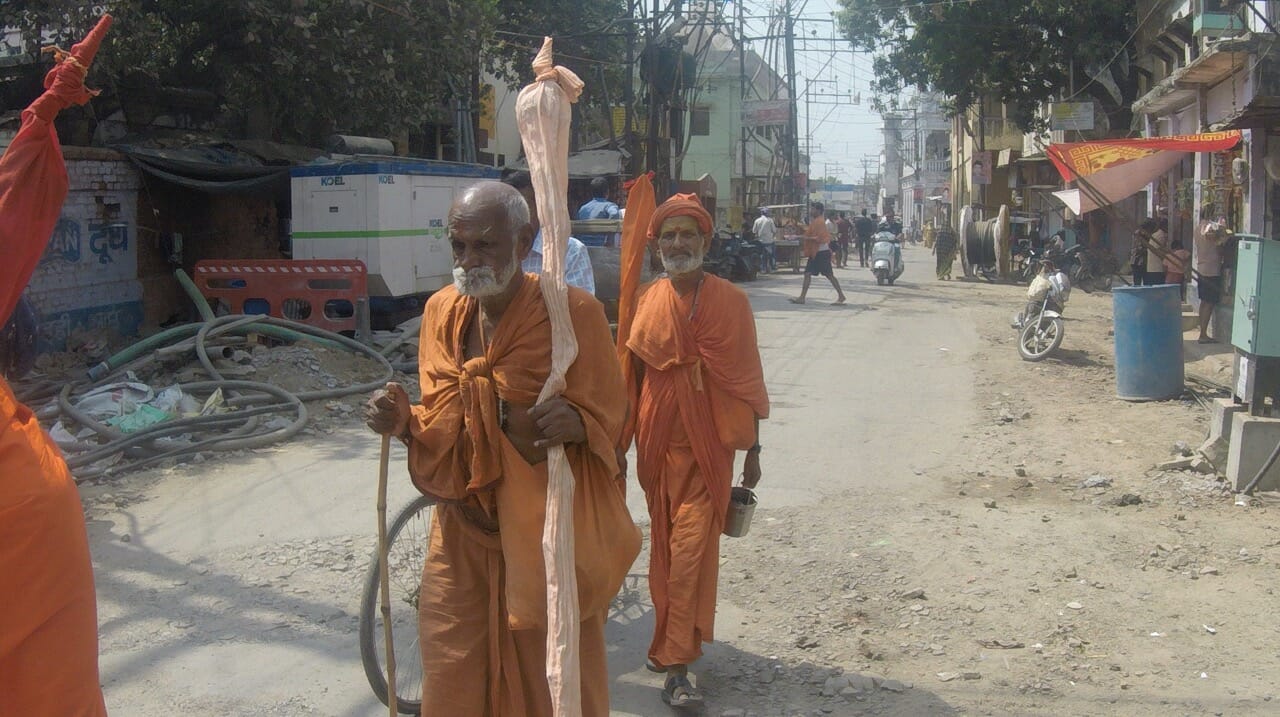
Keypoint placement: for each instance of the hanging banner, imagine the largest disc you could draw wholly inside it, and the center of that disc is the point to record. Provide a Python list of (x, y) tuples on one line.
[(1117, 168), (1071, 116), (766, 113), (982, 167)]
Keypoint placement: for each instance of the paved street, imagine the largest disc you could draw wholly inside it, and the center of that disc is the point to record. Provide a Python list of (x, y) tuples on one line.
[(232, 587)]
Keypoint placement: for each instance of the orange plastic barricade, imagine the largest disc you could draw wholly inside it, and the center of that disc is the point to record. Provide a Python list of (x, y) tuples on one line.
[(319, 292)]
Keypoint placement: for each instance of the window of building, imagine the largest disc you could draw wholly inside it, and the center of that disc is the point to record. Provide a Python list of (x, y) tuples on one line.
[(700, 121)]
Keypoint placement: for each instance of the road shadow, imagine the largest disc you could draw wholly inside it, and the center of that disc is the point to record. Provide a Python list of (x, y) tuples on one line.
[(1074, 357), (731, 677), (156, 609)]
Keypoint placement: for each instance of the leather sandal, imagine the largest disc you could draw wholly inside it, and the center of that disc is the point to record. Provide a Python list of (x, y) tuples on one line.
[(680, 694)]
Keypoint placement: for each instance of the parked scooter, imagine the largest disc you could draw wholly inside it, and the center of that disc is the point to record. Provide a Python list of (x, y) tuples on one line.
[(1040, 325), (886, 258)]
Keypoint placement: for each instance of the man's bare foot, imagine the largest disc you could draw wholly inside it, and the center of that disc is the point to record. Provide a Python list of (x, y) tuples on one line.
[(838, 302), (796, 301)]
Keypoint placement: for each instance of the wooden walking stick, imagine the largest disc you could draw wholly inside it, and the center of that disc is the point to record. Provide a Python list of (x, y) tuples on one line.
[(384, 577)]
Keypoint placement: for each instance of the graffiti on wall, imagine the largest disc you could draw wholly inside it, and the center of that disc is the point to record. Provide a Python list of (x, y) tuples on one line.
[(117, 320), (105, 238), (64, 246)]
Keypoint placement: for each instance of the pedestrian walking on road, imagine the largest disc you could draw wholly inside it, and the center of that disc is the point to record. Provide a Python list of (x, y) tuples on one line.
[(817, 247), (478, 444), (944, 248), (844, 238), (697, 389), (865, 228)]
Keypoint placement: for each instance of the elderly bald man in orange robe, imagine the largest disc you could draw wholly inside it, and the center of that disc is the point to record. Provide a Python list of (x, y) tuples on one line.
[(48, 610), (696, 382), (479, 446)]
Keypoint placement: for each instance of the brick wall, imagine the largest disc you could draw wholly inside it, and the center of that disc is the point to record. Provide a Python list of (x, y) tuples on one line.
[(211, 227), (87, 278)]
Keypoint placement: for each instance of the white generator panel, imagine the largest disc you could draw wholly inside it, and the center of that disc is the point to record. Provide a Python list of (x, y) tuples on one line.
[(388, 212)]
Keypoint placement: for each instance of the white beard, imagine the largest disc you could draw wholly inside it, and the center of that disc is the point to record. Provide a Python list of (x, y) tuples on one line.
[(681, 265), (484, 282)]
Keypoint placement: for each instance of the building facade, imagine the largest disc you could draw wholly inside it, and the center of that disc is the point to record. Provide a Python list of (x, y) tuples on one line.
[(1209, 66)]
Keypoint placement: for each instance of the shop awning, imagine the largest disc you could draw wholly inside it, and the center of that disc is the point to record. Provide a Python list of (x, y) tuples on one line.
[(1107, 171)]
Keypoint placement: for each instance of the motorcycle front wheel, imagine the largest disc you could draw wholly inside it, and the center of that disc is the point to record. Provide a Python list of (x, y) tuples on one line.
[(1039, 339)]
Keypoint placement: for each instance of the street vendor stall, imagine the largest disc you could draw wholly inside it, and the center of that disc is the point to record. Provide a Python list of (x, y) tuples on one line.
[(788, 247)]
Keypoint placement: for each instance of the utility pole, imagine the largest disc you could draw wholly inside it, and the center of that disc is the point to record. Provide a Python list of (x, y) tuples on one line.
[(744, 183), (867, 162), (629, 93), (655, 114), (793, 121)]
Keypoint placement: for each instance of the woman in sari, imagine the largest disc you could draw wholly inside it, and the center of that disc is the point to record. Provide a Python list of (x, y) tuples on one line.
[(944, 247)]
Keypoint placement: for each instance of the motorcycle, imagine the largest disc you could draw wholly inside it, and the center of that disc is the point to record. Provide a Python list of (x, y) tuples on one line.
[(1091, 269), (1040, 326), (1026, 261), (734, 259), (886, 258)]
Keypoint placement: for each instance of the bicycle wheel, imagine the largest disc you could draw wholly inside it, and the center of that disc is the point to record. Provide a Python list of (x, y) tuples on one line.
[(407, 551)]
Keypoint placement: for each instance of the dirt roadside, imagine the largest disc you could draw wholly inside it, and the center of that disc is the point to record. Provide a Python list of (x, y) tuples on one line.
[(874, 581), (1009, 588)]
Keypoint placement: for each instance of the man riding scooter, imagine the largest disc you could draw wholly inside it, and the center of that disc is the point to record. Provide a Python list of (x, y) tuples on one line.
[(886, 257)]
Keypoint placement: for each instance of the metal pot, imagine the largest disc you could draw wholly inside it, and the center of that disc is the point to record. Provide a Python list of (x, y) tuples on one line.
[(742, 504)]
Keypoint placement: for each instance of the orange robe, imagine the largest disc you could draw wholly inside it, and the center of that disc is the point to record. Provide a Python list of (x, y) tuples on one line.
[(701, 392), (482, 613), (48, 611)]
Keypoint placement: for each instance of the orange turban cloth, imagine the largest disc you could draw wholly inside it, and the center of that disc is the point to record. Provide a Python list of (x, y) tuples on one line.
[(680, 205)]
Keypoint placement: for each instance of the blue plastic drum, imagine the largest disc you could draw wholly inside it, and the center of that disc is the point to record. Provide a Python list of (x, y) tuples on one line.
[(1148, 323)]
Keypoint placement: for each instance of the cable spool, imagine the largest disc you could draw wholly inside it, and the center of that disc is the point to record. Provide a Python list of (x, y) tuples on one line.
[(986, 242)]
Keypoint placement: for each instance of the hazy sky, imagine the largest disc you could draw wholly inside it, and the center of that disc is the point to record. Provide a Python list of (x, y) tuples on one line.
[(843, 133)]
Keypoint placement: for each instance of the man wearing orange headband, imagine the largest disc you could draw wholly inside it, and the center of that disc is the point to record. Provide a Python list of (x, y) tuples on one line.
[(697, 386)]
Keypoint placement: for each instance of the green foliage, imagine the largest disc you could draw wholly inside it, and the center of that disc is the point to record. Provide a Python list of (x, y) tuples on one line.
[(308, 68), (1020, 52), (589, 39)]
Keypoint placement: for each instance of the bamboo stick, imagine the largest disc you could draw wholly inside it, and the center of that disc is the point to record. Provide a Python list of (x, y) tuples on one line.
[(384, 577)]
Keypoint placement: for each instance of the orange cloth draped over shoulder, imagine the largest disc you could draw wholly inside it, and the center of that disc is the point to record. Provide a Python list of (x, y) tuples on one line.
[(49, 622), (694, 375), (483, 602)]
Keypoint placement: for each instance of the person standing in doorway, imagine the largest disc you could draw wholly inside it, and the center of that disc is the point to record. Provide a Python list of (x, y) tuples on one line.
[(817, 247)]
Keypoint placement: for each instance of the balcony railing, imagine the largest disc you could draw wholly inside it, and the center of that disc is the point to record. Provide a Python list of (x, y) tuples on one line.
[(936, 165)]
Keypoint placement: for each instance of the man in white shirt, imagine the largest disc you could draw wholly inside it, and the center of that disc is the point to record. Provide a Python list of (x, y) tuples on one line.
[(766, 232), (577, 266)]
